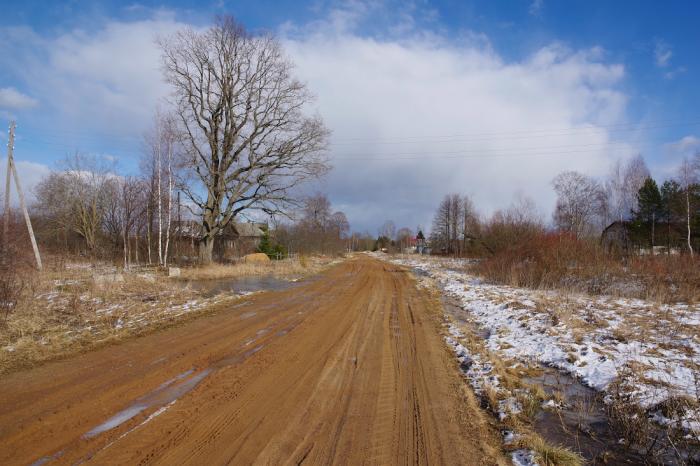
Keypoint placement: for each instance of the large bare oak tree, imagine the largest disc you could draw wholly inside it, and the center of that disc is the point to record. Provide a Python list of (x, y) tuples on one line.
[(246, 140)]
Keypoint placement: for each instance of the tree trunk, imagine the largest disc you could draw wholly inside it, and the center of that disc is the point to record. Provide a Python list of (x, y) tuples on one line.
[(170, 202), (148, 230), (687, 210), (206, 249), (126, 256), (160, 208)]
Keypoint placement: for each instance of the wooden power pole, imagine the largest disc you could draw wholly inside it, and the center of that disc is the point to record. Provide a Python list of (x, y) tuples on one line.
[(6, 220), (20, 194)]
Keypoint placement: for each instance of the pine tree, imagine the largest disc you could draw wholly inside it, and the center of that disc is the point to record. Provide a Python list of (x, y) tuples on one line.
[(265, 246), (671, 207), (649, 205)]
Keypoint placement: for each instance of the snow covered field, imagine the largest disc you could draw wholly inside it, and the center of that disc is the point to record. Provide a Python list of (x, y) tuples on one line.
[(648, 352)]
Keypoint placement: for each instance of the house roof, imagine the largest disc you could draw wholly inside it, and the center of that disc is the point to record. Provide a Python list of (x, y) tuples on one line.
[(234, 229), (248, 230)]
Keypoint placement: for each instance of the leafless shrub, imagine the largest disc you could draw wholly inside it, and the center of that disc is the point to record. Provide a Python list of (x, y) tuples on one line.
[(11, 287)]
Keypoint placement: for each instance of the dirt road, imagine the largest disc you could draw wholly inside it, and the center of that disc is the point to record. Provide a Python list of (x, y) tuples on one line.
[(347, 368)]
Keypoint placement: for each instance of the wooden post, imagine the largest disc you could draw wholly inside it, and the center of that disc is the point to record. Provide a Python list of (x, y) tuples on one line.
[(20, 194), (6, 220)]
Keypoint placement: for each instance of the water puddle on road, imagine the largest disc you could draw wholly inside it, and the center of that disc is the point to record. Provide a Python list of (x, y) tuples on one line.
[(168, 392), (164, 394), (239, 285), (46, 459)]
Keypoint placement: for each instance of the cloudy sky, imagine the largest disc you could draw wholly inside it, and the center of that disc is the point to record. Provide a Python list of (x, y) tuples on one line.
[(489, 99)]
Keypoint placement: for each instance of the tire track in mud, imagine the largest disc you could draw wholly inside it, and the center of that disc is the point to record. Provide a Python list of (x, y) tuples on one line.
[(348, 368)]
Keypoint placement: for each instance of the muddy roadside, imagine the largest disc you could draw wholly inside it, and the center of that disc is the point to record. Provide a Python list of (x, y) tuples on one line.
[(70, 308), (531, 396)]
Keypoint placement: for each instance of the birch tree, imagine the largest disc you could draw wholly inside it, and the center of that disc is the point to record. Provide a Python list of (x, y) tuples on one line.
[(687, 178), (241, 120), (158, 163)]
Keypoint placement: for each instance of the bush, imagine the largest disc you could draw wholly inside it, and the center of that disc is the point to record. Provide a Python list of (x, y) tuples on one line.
[(559, 260), (273, 251), (11, 287)]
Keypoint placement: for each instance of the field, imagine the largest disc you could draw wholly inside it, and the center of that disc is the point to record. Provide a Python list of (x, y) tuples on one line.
[(75, 306)]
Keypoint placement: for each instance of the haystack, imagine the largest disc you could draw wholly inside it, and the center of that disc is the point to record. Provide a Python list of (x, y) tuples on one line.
[(257, 258)]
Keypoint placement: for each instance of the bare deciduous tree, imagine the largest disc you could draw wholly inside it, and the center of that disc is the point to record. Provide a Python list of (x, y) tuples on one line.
[(247, 142), (74, 199), (454, 225), (403, 238), (388, 230), (317, 230), (687, 178), (578, 202), (339, 224), (635, 173), (620, 189)]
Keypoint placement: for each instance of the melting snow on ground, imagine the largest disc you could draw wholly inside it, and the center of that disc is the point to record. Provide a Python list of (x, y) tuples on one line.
[(652, 351)]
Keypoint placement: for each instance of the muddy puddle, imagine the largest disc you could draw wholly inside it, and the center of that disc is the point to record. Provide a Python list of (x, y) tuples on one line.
[(581, 424), (239, 285), (169, 392)]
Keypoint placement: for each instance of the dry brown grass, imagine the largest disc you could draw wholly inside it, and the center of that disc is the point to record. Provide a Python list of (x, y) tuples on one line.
[(558, 261), (283, 268), (64, 310), (550, 455), (61, 311)]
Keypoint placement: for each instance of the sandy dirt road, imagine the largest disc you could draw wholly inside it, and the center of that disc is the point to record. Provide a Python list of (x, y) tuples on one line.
[(347, 368)]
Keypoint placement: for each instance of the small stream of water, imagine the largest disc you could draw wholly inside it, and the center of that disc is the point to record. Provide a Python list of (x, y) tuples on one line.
[(581, 423)]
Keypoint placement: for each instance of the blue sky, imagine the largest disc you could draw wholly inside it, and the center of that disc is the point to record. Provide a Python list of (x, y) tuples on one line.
[(574, 84)]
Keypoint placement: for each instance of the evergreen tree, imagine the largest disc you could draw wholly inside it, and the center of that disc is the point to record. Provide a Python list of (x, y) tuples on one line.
[(671, 208), (265, 246), (649, 205), (273, 251)]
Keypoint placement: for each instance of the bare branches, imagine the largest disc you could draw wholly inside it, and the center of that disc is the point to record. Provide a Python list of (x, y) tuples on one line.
[(578, 202), (246, 140)]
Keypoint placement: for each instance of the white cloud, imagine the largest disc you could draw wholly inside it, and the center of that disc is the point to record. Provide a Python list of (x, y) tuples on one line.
[(687, 145), (107, 80), (403, 98), (662, 54), (662, 58), (667, 166), (30, 174), (393, 104), (536, 7), (11, 98)]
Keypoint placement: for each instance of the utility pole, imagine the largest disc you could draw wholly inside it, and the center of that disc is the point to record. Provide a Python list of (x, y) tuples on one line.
[(6, 220), (22, 204)]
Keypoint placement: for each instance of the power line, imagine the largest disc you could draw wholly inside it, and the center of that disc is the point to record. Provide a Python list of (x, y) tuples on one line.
[(421, 154), (485, 154), (517, 134), (478, 150), (512, 134)]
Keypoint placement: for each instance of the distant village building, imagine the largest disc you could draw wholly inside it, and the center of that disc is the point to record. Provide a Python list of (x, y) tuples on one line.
[(627, 237), (616, 237), (421, 243), (233, 242)]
